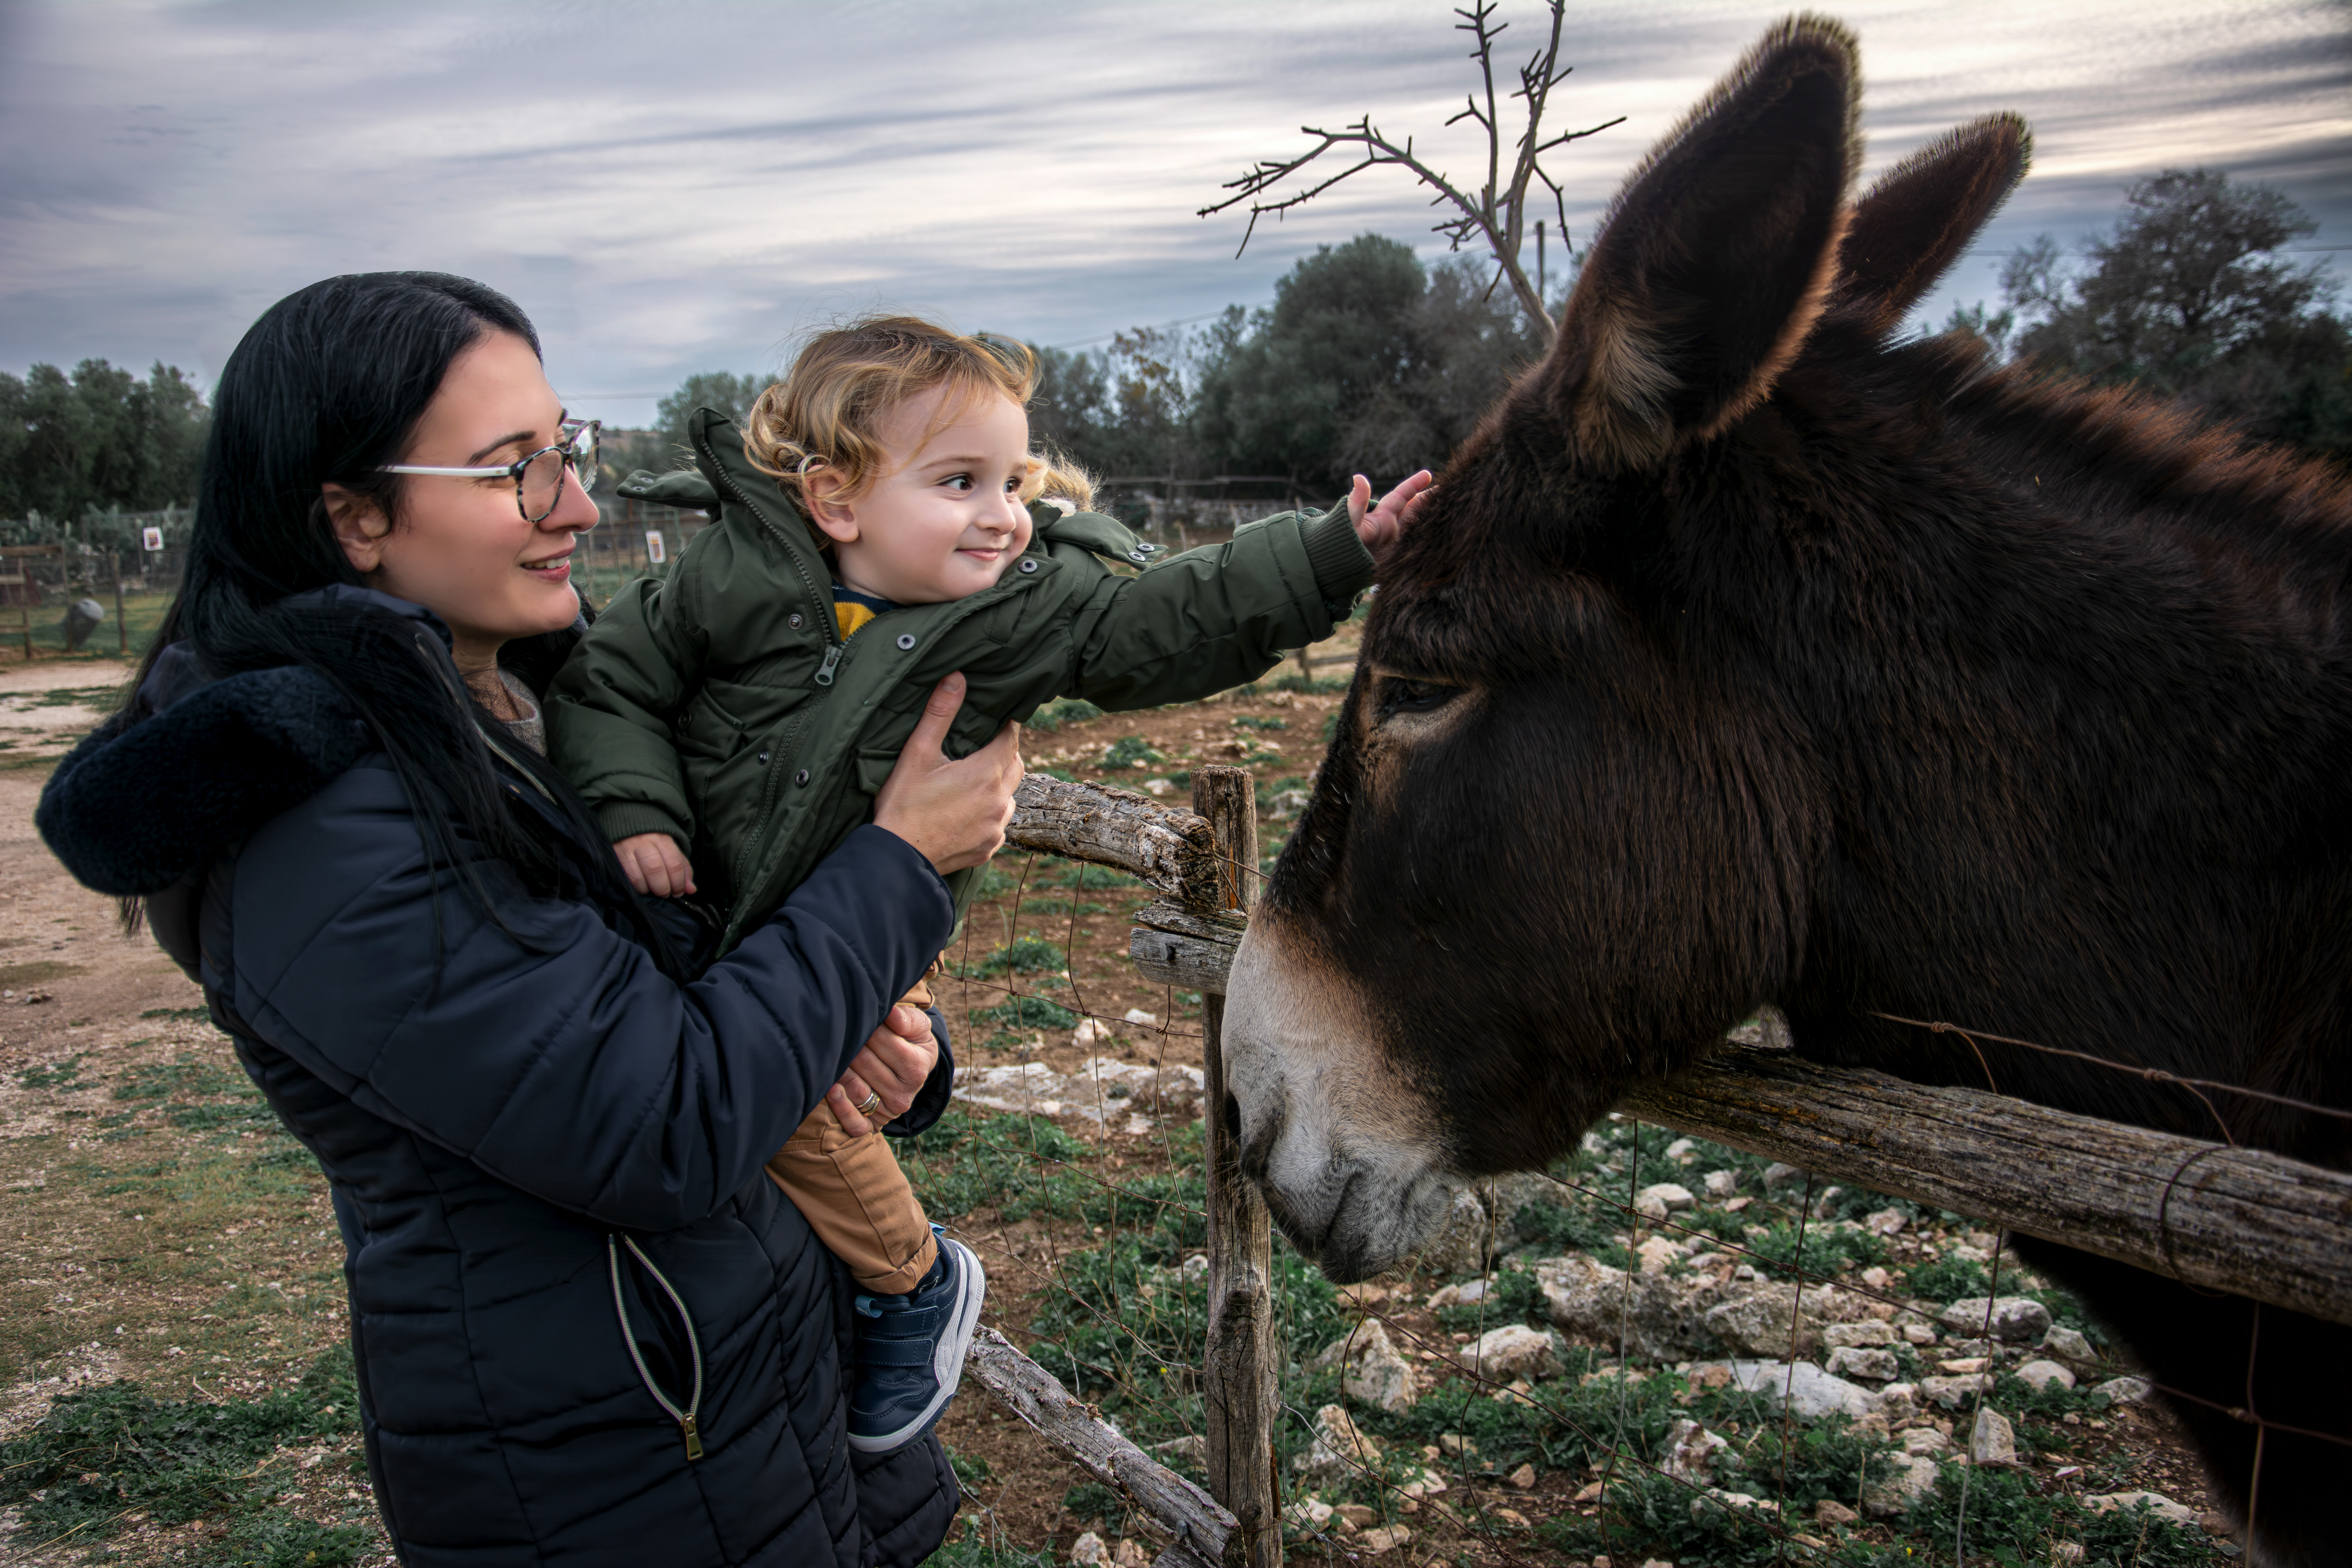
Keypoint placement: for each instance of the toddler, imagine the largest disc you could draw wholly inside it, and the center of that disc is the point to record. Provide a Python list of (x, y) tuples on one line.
[(882, 525)]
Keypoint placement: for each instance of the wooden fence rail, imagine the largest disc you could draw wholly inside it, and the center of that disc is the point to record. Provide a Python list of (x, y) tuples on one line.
[(2236, 1220)]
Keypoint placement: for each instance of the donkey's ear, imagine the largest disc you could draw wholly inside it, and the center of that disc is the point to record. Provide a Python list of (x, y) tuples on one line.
[(1717, 257), (1920, 216)]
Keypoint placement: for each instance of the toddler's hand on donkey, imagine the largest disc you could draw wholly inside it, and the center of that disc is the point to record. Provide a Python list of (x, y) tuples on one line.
[(654, 865), (1378, 526)]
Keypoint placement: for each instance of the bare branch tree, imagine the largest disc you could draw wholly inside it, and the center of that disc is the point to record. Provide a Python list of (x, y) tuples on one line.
[(1497, 211)]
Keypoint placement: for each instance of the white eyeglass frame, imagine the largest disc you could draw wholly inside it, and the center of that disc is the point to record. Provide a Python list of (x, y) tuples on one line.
[(569, 447)]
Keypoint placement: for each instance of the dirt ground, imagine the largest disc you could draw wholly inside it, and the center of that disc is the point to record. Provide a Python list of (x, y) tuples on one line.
[(158, 1228)]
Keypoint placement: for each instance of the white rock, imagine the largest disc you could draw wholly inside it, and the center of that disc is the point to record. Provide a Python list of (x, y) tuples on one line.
[(1954, 1393), (1919, 1334), (1993, 1440), (1130, 1554), (1090, 1031), (1156, 787), (2125, 1390), (1672, 1195), (1691, 1449), (1461, 1246), (1714, 1500), (1683, 1150), (1512, 1351), (1722, 1184), (2041, 1375), (1885, 1222), (1865, 1334), (1659, 1318), (2019, 1319), (1811, 1393), (2069, 1344), (1756, 1319), (1657, 1252), (1137, 1016), (1381, 1539), (1088, 1549), (1857, 1360), (1338, 1450), (1520, 1190), (1913, 1477), (1926, 1440), (1780, 1175), (1189, 1450), (1370, 1369), (1897, 1397), (1469, 1293), (2156, 1503), (1308, 1513)]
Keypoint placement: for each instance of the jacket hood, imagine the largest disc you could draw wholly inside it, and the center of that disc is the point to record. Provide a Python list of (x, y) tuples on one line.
[(196, 762)]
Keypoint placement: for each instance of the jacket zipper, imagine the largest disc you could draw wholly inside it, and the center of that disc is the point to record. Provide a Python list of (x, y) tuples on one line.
[(822, 607), (686, 1417)]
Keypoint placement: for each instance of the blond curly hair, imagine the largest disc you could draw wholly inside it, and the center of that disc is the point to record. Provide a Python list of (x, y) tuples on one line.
[(827, 411)]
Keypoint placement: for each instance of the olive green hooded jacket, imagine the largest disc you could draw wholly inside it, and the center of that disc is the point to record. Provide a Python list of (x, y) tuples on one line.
[(722, 707)]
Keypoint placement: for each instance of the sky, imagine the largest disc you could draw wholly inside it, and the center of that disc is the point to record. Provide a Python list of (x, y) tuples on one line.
[(669, 186)]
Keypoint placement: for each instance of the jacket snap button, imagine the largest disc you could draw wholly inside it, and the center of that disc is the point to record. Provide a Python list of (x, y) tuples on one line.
[(1028, 566), (763, 759), (793, 622), (1135, 555), (801, 777), (906, 640)]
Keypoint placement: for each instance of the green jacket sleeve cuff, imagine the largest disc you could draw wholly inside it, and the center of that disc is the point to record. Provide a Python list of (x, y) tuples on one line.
[(627, 818), (1342, 566)]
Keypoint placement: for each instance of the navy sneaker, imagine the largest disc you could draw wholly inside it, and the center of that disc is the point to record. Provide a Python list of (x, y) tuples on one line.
[(911, 1350)]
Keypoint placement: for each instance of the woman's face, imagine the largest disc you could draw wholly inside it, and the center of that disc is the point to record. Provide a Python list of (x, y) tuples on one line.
[(462, 548)]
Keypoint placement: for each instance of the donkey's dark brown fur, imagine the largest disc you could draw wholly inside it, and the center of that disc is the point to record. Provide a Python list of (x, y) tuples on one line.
[(1749, 653)]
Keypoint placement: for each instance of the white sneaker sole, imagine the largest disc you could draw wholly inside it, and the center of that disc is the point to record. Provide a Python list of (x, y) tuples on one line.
[(947, 1365)]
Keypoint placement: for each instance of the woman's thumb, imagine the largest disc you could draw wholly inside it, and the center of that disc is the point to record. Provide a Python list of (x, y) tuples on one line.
[(931, 730)]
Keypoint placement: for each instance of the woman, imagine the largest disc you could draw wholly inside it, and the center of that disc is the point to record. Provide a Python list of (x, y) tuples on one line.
[(588, 1329)]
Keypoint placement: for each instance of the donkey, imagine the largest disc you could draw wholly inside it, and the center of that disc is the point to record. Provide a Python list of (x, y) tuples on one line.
[(1751, 651)]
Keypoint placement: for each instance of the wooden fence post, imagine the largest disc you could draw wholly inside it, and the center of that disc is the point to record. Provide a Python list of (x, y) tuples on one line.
[(1241, 1359)]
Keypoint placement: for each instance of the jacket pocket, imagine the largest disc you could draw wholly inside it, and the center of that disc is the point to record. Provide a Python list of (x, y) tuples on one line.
[(659, 1333)]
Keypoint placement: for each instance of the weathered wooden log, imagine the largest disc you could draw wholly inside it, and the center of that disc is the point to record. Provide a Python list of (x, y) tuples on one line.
[(1241, 1359), (1189, 949), (2236, 1220), (1203, 1535), (1168, 848)]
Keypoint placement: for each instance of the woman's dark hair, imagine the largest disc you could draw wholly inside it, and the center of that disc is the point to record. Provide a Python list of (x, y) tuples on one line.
[(326, 387)]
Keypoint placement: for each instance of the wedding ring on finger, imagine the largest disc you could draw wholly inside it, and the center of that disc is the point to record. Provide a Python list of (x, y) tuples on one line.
[(873, 1103)]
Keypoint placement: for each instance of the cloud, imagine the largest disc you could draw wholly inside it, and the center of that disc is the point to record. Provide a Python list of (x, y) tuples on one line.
[(675, 187)]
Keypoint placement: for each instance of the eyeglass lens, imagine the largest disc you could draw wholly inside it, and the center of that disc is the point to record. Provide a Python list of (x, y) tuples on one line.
[(542, 478)]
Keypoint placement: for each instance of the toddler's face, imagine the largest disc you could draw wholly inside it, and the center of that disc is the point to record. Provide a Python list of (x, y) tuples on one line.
[(946, 520)]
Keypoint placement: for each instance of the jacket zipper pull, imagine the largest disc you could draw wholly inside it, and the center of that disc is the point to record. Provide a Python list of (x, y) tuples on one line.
[(824, 671), (693, 1437)]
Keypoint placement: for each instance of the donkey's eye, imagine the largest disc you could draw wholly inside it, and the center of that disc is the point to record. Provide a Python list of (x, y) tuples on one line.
[(1399, 696)]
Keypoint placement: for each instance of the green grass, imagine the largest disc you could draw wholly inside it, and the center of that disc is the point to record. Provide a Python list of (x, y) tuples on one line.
[(1030, 955), (96, 1457), (1025, 1012), (1064, 710), (1131, 752)]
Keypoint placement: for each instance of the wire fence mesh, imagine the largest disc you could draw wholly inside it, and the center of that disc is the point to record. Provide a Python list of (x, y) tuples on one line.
[(1822, 1401)]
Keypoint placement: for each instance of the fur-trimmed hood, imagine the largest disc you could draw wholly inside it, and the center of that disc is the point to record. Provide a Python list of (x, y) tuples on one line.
[(196, 762)]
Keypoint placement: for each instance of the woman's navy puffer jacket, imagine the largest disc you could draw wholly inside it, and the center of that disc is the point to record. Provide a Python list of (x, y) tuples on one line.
[(530, 1141)]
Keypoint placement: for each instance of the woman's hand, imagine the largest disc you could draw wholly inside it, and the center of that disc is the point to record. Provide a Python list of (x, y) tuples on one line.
[(952, 813), (654, 865), (1378, 526), (895, 1063)]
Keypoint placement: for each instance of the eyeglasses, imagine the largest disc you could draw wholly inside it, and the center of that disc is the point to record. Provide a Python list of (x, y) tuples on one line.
[(539, 477)]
